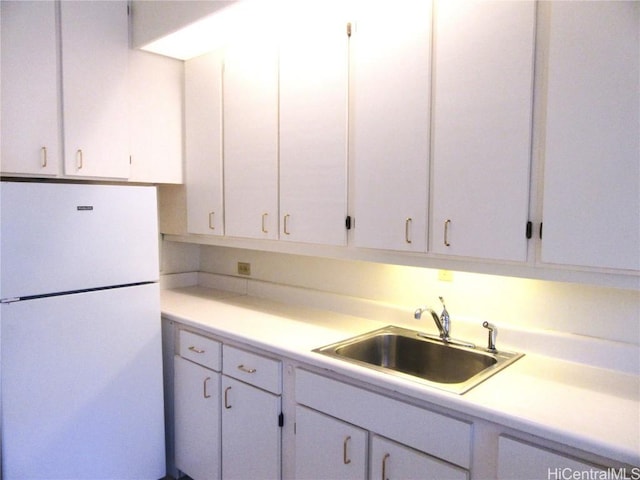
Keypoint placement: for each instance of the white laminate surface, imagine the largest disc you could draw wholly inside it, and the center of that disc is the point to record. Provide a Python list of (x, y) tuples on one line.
[(588, 408)]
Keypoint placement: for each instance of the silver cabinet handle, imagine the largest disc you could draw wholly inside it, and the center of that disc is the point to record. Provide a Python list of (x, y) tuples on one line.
[(211, 215), (43, 152), (264, 228), (345, 458), (384, 465), (204, 388), (446, 233), (226, 398), (285, 228), (246, 369), (195, 349), (407, 230), (79, 159)]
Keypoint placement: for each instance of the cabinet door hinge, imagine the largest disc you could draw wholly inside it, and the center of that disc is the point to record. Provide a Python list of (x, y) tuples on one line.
[(348, 29), (529, 229), (281, 420), (348, 222)]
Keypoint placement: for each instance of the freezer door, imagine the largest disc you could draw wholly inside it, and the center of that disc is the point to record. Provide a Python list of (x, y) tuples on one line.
[(82, 386), (65, 237)]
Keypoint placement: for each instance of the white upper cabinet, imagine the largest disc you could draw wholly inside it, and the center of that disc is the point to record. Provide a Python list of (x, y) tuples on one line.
[(313, 132), (251, 140), (482, 126), (390, 101), (156, 118), (30, 120), (591, 207), (203, 144), (95, 88)]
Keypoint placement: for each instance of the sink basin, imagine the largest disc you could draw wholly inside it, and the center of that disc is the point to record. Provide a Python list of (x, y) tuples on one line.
[(410, 354)]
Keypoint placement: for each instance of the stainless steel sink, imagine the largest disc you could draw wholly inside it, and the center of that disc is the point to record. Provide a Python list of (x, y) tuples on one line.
[(409, 354)]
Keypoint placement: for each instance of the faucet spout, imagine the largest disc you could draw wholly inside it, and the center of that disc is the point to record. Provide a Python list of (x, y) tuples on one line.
[(444, 332), (443, 329)]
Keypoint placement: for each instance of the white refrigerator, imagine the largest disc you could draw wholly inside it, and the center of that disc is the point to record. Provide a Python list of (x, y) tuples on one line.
[(80, 336)]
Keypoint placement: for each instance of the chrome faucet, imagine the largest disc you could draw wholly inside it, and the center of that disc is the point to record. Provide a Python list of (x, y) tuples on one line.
[(443, 322)]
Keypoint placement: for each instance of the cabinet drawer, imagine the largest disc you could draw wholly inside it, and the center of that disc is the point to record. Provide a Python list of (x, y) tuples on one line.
[(251, 368), (430, 432), (202, 350)]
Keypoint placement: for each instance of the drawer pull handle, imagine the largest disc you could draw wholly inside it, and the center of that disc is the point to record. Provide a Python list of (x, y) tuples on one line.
[(264, 228), (345, 458), (446, 233), (246, 370), (211, 225), (384, 465), (43, 152), (204, 388), (195, 349), (226, 398)]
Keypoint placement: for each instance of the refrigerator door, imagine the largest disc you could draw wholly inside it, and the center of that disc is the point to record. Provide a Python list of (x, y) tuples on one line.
[(82, 386), (66, 237)]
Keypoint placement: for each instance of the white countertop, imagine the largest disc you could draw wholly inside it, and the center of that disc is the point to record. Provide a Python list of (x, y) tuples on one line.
[(588, 408)]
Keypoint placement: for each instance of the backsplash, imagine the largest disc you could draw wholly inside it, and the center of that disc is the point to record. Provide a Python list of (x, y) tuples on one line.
[(590, 312)]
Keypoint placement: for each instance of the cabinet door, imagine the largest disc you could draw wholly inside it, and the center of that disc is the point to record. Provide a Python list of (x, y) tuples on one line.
[(156, 118), (95, 87), (390, 94), (391, 460), (328, 448), (592, 142), (517, 460), (482, 124), (251, 140), (251, 434), (30, 122), (313, 133), (197, 420), (203, 143)]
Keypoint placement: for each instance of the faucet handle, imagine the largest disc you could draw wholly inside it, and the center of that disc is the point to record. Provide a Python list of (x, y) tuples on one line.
[(442, 302)]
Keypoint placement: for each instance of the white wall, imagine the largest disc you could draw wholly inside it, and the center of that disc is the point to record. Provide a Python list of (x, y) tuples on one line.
[(591, 311)]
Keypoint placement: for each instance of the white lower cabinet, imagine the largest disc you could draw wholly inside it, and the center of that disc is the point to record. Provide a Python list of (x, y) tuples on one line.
[(196, 400), (252, 415), (521, 461), (328, 448), (226, 425), (197, 420), (406, 441), (237, 415), (390, 460), (251, 437)]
